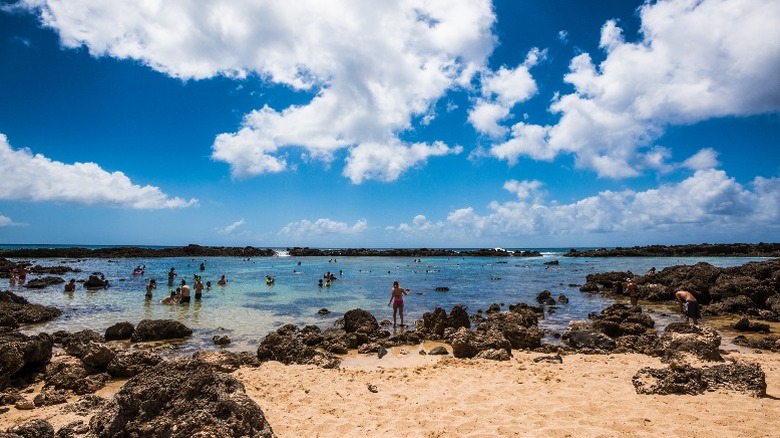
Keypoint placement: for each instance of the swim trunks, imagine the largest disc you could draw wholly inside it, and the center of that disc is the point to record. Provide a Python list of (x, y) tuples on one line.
[(691, 309), (398, 302)]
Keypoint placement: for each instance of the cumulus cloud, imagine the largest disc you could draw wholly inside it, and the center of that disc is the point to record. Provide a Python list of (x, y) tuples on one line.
[(232, 227), (322, 227), (501, 91), (371, 67), (697, 59), (709, 199), (5, 221), (706, 158), (37, 178)]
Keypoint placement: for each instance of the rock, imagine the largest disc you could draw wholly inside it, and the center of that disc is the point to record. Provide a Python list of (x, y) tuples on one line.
[(287, 346), (518, 327), (76, 343), (222, 360), (159, 329), (184, 398), (442, 289), (358, 320), (493, 354), (73, 430), (86, 405), (771, 343), (19, 351), (731, 305), (25, 405), (323, 312), (467, 344), (700, 341), (50, 398), (579, 334), (97, 355), (119, 331), (685, 379), (549, 359), (69, 373), (435, 323), (543, 296), (220, 340), (128, 364), (563, 299), (745, 325), (23, 312), (33, 429), (620, 320), (42, 283), (439, 351)]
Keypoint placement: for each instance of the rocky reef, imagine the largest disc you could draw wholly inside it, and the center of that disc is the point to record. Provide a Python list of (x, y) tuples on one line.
[(700, 250)]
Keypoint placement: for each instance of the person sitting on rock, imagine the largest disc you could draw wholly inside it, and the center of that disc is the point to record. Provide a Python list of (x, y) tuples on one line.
[(688, 305)]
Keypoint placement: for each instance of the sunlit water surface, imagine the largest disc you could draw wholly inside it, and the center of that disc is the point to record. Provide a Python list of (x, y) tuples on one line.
[(246, 309)]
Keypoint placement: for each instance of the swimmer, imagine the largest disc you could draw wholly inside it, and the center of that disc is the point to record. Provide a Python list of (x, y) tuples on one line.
[(397, 300)]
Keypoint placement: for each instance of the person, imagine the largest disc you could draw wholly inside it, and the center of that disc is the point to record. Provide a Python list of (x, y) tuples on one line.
[(203, 266), (172, 298), (71, 286), (222, 281), (149, 288), (397, 300), (320, 283), (208, 285), (184, 296), (171, 275), (198, 288), (650, 271), (633, 292), (688, 305)]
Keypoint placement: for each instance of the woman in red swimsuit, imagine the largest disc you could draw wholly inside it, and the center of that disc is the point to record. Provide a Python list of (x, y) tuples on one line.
[(397, 300)]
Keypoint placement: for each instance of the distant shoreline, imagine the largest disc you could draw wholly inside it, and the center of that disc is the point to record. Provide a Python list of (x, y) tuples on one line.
[(192, 250)]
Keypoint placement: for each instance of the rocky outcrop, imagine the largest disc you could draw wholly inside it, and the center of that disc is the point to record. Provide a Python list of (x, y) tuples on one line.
[(433, 324), (159, 329), (751, 289), (291, 345), (119, 331), (137, 252), (741, 377), (701, 250), (184, 398), (17, 310), (31, 429), (43, 282), (680, 339), (19, 352), (771, 343), (130, 363)]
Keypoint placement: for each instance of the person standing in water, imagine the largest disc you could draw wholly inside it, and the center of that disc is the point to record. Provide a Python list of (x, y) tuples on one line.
[(171, 275), (397, 300)]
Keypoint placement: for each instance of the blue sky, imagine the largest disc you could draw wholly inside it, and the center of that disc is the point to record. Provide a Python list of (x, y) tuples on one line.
[(413, 123)]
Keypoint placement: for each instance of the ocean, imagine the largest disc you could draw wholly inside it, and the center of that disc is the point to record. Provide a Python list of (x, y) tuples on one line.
[(247, 309)]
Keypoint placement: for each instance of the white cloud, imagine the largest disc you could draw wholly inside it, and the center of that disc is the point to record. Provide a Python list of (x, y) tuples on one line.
[(37, 178), (232, 227), (706, 158), (322, 227), (371, 66), (386, 162), (708, 200), (501, 91), (697, 59), (5, 221)]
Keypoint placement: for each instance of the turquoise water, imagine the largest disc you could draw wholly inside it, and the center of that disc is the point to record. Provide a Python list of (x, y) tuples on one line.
[(246, 309)]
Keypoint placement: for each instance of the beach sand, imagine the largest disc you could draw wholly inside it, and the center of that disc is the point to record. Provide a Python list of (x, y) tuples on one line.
[(427, 396)]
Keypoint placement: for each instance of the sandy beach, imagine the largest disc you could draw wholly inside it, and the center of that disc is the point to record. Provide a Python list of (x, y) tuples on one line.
[(427, 396)]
